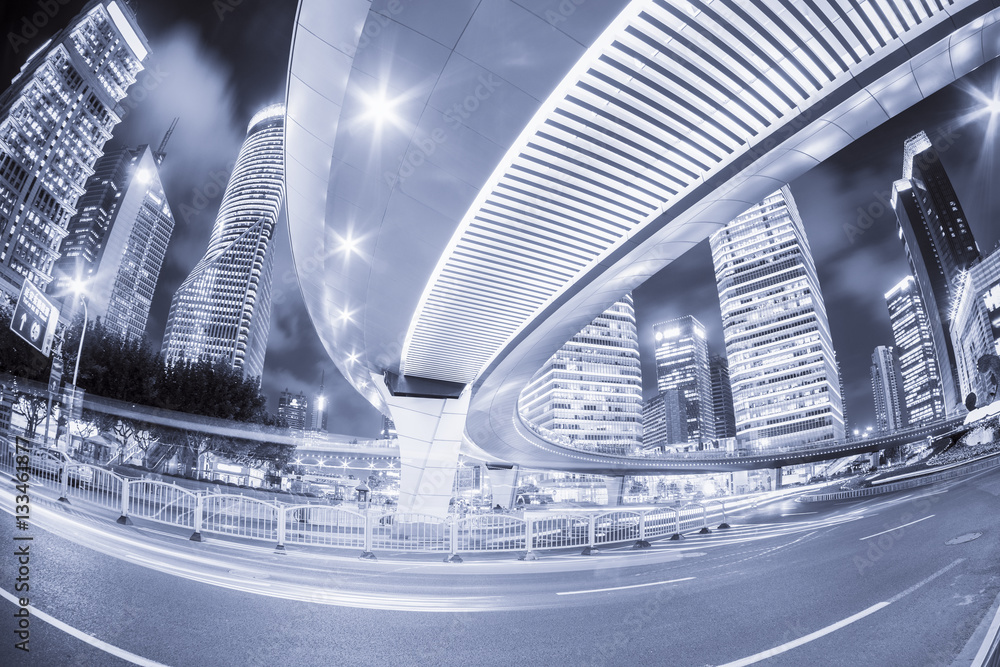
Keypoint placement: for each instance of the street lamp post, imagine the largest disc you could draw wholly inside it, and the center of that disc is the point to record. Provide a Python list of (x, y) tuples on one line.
[(78, 290)]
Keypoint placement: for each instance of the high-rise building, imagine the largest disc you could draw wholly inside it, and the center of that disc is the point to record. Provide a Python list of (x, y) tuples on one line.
[(590, 391), (388, 430), (782, 366), (55, 118), (682, 363), (222, 311), (664, 420), (118, 240), (918, 362), (293, 407), (722, 397), (939, 247), (317, 421), (887, 390), (975, 325)]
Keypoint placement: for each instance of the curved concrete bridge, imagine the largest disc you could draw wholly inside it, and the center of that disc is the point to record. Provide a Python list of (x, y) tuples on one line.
[(469, 186)]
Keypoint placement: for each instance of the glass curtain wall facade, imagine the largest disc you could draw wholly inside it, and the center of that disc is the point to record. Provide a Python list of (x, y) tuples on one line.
[(887, 390), (682, 364), (975, 325), (722, 397), (939, 247), (918, 362), (590, 391), (55, 118), (222, 311), (118, 240), (782, 365)]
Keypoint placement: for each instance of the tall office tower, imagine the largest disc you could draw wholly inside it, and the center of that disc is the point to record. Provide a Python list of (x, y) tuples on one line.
[(388, 430), (722, 397), (939, 247), (918, 362), (682, 364), (54, 121), (590, 391), (887, 390), (975, 325), (782, 366), (664, 420), (317, 421), (118, 240), (293, 407), (222, 311)]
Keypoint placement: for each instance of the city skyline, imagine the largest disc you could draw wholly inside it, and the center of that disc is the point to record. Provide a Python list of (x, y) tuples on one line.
[(208, 56)]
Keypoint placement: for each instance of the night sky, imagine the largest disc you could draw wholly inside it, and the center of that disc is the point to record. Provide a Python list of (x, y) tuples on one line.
[(215, 68)]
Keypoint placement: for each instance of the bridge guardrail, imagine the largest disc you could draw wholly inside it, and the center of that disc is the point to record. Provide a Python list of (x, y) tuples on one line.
[(929, 478)]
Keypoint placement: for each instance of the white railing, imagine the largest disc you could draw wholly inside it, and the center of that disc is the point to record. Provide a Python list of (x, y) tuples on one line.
[(240, 516), (410, 532), (324, 526), (490, 532), (159, 501), (94, 485)]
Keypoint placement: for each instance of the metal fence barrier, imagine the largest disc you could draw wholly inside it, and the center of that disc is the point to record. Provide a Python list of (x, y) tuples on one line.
[(369, 528)]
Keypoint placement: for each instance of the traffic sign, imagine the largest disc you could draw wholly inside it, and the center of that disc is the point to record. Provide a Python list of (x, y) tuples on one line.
[(35, 318)]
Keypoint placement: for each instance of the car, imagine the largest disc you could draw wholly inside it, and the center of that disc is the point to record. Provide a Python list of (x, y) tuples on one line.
[(82, 476), (46, 462)]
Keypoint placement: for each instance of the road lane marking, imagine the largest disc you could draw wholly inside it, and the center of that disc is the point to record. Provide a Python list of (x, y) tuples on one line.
[(82, 636), (896, 528), (777, 650), (619, 588)]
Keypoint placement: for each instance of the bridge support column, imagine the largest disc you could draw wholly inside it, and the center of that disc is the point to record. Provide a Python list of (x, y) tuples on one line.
[(615, 485), (503, 482), (429, 432), (777, 478), (873, 459)]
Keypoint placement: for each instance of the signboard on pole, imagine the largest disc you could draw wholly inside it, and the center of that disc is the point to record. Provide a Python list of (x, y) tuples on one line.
[(35, 318)]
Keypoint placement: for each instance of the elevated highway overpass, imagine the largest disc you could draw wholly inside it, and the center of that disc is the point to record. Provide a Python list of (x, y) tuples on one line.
[(468, 187)]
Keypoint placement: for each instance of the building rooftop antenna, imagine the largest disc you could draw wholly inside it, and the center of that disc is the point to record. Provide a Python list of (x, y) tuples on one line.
[(160, 152)]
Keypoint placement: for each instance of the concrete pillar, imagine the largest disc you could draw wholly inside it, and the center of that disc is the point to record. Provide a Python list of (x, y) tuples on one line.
[(873, 459), (615, 484), (503, 482), (429, 432), (777, 478)]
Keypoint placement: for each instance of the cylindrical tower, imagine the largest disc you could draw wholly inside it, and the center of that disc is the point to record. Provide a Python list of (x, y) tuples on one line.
[(222, 311)]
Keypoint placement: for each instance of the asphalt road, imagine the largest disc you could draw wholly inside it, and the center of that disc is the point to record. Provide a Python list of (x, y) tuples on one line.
[(816, 584)]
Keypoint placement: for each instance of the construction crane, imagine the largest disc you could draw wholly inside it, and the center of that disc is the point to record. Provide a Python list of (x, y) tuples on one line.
[(160, 152)]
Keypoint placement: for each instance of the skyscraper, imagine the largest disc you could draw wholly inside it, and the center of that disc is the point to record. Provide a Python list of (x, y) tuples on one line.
[(722, 397), (54, 121), (664, 420), (887, 390), (222, 311), (782, 366), (118, 239), (590, 391), (975, 325), (293, 407), (682, 364), (918, 362), (939, 247), (317, 421)]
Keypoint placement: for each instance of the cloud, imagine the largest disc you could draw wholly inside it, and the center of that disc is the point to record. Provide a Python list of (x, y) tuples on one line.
[(183, 79)]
